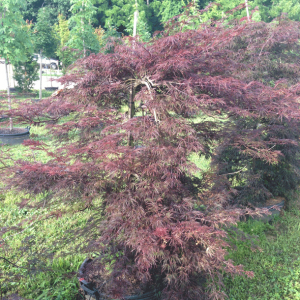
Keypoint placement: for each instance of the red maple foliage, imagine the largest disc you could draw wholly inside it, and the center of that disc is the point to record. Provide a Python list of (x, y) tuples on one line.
[(140, 167)]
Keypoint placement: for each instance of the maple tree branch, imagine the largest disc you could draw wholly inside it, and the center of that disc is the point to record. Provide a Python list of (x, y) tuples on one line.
[(235, 172), (10, 262)]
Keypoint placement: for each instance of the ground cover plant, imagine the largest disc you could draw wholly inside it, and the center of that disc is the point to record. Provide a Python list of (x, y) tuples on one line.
[(139, 164)]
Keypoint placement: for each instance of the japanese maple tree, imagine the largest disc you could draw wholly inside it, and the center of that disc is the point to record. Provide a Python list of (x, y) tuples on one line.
[(139, 164)]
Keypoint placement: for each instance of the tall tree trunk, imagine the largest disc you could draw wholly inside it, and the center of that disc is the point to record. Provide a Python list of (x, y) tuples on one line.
[(131, 94), (41, 72), (8, 94), (147, 2), (84, 51), (247, 10)]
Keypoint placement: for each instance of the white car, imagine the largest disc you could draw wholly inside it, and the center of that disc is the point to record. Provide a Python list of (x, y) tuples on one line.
[(46, 62)]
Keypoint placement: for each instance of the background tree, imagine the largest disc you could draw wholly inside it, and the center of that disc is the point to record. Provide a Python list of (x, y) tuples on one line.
[(15, 42), (100, 32), (25, 73), (167, 9), (142, 30), (291, 8), (120, 14), (221, 7), (62, 34), (53, 8), (82, 35), (44, 39)]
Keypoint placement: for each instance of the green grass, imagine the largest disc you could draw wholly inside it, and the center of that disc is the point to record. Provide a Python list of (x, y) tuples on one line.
[(39, 238), (276, 267)]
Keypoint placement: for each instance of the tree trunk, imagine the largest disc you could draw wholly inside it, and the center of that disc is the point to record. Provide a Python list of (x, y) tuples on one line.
[(84, 51), (8, 94), (247, 10), (131, 94), (41, 74)]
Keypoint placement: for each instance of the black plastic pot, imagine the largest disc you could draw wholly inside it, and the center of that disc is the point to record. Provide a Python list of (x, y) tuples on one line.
[(51, 88), (92, 293), (14, 139)]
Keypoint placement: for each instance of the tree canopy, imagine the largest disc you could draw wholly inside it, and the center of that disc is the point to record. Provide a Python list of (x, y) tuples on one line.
[(14, 36)]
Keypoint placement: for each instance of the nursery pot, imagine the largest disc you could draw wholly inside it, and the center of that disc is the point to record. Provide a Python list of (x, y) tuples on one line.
[(91, 293), (14, 138), (51, 88)]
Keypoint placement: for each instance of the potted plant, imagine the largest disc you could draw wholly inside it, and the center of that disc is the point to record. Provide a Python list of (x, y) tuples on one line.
[(94, 288), (14, 44)]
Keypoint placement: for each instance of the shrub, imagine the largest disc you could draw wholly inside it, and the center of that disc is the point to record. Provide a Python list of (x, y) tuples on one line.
[(25, 73)]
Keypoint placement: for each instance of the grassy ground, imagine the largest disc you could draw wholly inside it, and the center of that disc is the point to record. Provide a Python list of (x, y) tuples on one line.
[(277, 267), (60, 282)]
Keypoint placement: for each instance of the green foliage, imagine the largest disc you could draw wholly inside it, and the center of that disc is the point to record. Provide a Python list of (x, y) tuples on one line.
[(120, 13), (53, 7), (219, 10), (290, 7), (25, 73), (62, 34), (14, 37), (99, 33), (143, 30), (167, 9), (44, 38), (82, 35)]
